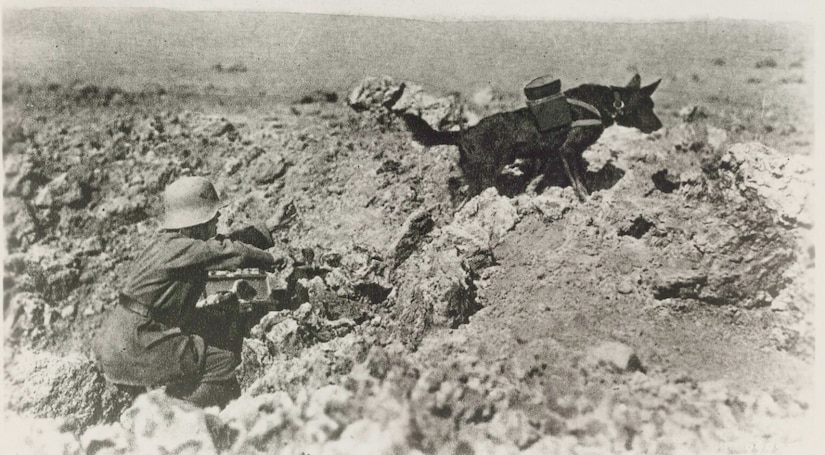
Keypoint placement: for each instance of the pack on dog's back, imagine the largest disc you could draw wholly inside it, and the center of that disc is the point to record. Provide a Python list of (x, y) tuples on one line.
[(511, 140)]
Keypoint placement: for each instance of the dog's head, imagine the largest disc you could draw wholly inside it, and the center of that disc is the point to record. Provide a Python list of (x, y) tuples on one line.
[(634, 107)]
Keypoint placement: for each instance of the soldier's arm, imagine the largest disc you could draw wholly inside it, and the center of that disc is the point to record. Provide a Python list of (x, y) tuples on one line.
[(257, 235), (224, 253)]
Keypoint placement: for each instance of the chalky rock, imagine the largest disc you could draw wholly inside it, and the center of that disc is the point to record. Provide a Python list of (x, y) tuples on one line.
[(21, 227), (275, 422), (737, 255), (410, 98), (212, 126), (109, 439), (378, 437), (267, 421), (92, 246), (55, 272), (317, 365), (29, 316), (268, 168), (554, 203), (513, 426), (161, 424), (415, 227), (440, 113), (435, 286), (123, 208), (67, 386), (374, 92), (287, 333), (58, 192), (616, 356), (26, 435), (484, 220), (478, 227), (20, 174), (442, 295), (781, 182)]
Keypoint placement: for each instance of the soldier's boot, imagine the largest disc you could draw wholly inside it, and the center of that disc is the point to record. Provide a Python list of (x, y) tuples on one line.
[(214, 393)]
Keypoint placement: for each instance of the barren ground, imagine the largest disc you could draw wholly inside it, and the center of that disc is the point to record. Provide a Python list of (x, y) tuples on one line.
[(670, 313)]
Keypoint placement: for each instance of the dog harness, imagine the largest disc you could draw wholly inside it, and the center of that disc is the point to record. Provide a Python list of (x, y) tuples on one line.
[(589, 107), (550, 107)]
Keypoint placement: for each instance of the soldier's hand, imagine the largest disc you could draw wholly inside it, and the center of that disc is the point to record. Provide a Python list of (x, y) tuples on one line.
[(217, 300), (243, 290), (279, 261), (283, 216)]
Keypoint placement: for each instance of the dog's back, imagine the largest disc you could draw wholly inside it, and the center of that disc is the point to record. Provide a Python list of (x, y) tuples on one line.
[(510, 141), (501, 139)]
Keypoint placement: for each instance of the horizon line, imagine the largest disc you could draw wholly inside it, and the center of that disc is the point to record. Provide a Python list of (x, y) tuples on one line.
[(439, 13)]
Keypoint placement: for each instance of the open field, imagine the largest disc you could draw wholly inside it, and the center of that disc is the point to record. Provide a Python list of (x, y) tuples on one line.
[(499, 332), (288, 55)]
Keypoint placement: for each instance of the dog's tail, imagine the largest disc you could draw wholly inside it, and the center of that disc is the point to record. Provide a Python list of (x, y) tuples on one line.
[(425, 135)]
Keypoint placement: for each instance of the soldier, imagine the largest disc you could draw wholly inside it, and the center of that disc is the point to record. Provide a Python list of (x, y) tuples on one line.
[(150, 338)]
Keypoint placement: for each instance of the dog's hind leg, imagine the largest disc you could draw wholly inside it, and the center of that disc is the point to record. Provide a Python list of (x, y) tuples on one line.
[(479, 175)]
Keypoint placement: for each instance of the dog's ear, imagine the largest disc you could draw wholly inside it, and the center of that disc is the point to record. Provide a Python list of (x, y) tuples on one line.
[(649, 89), (635, 83)]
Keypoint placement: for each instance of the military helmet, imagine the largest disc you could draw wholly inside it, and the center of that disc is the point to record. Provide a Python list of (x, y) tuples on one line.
[(189, 201)]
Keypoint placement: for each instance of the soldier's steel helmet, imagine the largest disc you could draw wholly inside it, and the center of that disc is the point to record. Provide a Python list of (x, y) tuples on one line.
[(189, 201)]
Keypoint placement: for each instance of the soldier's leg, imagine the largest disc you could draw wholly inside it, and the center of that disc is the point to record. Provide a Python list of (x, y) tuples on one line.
[(214, 393), (218, 384), (220, 324)]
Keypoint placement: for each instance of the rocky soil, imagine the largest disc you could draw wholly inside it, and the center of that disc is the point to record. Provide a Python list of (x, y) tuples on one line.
[(672, 312)]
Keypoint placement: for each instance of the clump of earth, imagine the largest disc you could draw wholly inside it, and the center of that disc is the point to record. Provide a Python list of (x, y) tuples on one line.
[(671, 312)]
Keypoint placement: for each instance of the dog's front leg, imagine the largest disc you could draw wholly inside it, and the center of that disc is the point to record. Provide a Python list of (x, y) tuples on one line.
[(572, 172), (576, 143)]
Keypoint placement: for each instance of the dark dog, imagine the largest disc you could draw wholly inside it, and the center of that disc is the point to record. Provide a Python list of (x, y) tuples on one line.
[(507, 145)]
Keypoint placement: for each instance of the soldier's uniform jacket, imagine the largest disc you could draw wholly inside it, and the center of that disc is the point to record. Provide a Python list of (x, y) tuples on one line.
[(146, 339)]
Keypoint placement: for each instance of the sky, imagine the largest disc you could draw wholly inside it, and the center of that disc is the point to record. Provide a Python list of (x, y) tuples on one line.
[(633, 10)]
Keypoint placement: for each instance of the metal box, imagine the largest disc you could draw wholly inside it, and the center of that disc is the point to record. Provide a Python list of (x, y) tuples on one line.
[(547, 104), (225, 281)]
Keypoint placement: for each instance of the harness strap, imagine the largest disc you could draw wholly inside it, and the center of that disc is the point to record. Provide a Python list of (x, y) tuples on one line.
[(589, 121), (584, 105), (586, 122)]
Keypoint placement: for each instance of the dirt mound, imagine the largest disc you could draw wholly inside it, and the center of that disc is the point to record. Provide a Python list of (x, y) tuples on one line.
[(671, 311), (385, 406), (435, 286)]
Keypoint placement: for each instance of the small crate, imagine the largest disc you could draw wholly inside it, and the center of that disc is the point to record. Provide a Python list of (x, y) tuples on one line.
[(547, 104), (224, 281), (542, 87)]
